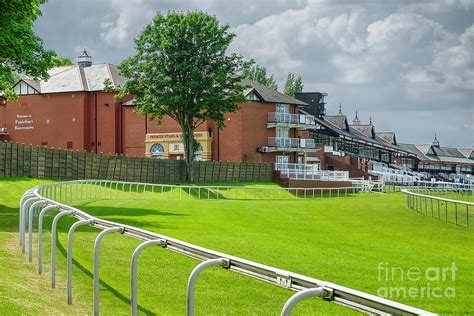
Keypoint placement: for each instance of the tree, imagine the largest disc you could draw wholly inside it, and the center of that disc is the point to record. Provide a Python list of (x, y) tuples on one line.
[(293, 84), (58, 61), (21, 51), (259, 74), (181, 70)]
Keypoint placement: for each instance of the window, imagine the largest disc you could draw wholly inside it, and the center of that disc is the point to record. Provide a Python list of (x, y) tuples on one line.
[(282, 162), (282, 108), (282, 132), (157, 151), (69, 145), (198, 153)]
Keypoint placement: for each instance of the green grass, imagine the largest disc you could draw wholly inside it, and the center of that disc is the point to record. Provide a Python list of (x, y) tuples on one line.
[(341, 240)]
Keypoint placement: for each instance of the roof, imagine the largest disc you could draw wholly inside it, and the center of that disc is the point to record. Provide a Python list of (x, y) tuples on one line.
[(366, 129), (467, 152), (270, 95), (340, 121), (439, 154), (388, 137), (337, 124), (73, 78)]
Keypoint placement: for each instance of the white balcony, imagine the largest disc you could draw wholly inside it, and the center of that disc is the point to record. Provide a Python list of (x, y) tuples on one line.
[(298, 121), (291, 144), (310, 172)]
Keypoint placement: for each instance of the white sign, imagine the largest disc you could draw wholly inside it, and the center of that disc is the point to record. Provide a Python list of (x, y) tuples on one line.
[(176, 148), (24, 122)]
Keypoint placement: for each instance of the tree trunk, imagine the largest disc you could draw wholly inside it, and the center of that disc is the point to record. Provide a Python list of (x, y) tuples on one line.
[(188, 142)]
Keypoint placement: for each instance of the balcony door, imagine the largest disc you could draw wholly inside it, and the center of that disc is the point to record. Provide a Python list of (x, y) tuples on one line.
[(282, 162), (282, 132)]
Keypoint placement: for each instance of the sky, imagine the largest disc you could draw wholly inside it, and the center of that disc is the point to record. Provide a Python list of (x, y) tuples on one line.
[(409, 65)]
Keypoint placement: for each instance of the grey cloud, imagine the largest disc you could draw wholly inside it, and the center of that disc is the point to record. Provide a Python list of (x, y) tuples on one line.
[(408, 64)]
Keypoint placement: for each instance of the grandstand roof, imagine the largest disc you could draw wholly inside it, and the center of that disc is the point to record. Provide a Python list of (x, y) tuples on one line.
[(431, 153)]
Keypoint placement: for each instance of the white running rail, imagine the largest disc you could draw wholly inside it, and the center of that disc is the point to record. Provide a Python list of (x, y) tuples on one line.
[(85, 189)]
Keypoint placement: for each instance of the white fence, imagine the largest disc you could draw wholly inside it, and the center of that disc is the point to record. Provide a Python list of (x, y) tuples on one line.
[(310, 172), (38, 201), (291, 143), (427, 202)]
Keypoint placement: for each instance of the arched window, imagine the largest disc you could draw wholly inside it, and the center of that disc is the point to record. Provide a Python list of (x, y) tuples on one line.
[(157, 151), (198, 153)]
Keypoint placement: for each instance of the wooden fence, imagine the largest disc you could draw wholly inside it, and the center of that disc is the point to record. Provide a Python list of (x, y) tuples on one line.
[(19, 160)]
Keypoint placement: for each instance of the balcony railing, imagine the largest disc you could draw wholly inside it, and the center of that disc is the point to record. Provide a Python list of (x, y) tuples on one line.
[(310, 172), (291, 143), (290, 119)]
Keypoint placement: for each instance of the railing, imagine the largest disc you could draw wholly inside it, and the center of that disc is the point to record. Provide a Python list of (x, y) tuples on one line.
[(45, 197), (291, 119), (397, 186), (296, 171), (452, 211), (291, 143)]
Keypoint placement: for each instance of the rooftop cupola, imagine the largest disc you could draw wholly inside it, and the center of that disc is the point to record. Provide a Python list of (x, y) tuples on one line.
[(340, 110), (84, 60), (356, 120), (435, 141)]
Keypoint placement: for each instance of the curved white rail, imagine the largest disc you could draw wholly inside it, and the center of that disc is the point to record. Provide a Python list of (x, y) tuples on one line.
[(439, 207), (342, 295)]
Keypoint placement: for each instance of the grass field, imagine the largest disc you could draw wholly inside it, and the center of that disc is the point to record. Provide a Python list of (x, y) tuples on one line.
[(341, 240)]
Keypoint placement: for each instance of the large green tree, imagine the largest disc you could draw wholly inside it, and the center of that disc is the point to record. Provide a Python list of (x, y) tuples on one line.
[(293, 84), (259, 74), (21, 51), (58, 61), (181, 69)]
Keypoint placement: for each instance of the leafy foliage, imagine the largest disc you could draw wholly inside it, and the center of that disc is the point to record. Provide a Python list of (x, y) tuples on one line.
[(58, 61), (181, 70), (21, 51), (108, 85), (293, 84), (259, 74)]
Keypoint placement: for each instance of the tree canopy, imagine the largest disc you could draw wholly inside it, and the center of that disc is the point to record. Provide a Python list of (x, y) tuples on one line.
[(181, 69), (293, 84), (259, 74), (21, 50), (58, 61)]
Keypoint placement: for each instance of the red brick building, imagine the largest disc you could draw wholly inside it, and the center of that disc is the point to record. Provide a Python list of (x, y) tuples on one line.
[(71, 110)]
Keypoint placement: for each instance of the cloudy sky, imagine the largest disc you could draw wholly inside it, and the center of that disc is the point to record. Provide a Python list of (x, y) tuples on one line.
[(408, 64)]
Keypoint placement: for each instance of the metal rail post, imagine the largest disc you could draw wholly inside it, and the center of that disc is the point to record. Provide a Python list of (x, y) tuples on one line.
[(24, 217), (30, 229), (192, 281), (40, 234), (24, 199), (53, 245), (96, 263), (292, 301), (69, 255), (134, 271)]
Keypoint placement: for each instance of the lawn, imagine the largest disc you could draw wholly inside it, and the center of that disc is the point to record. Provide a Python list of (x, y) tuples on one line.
[(341, 240)]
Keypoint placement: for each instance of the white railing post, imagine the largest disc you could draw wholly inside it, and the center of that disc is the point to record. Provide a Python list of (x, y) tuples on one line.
[(96, 263), (192, 281), (69, 255), (40, 234)]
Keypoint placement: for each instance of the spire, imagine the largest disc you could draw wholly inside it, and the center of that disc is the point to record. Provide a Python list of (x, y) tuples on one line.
[(436, 141), (340, 110), (356, 120), (370, 120)]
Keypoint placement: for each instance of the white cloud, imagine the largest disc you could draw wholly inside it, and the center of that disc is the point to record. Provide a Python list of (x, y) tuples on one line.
[(405, 58)]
